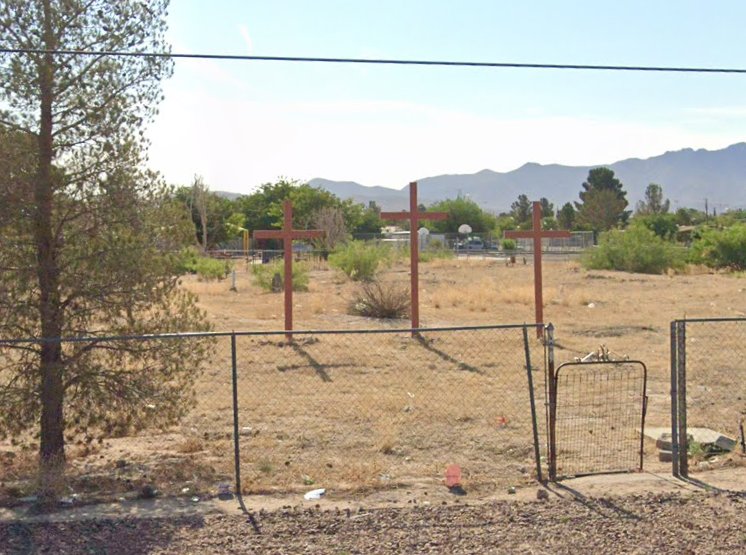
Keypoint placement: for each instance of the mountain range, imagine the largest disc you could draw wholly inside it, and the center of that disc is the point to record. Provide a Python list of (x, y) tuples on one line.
[(687, 177)]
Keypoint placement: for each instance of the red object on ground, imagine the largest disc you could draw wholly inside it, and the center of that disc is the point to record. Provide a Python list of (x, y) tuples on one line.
[(287, 234), (537, 234), (453, 475), (414, 216)]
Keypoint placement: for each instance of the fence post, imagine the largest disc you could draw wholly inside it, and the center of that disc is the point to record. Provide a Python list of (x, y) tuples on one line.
[(534, 423), (681, 402), (236, 450), (551, 380), (674, 400)]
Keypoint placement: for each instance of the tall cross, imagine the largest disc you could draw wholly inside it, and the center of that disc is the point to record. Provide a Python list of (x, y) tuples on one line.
[(287, 234), (414, 216), (537, 234)]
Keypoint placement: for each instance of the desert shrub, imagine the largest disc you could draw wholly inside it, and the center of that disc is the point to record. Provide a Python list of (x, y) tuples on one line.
[(724, 248), (508, 244), (186, 260), (265, 273), (360, 260), (637, 249), (663, 225), (381, 300), (434, 251), (190, 261), (209, 269)]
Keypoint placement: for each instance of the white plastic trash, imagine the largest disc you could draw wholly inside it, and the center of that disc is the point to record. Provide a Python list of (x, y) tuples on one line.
[(314, 494)]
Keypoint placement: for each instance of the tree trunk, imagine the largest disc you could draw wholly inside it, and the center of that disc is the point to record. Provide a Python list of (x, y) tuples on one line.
[(52, 446)]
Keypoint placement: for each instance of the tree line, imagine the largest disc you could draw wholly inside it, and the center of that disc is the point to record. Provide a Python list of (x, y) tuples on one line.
[(602, 206)]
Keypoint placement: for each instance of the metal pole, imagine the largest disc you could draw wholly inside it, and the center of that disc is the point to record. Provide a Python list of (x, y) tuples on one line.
[(552, 403), (236, 447), (538, 288), (534, 423), (674, 402), (287, 244), (414, 255), (683, 439)]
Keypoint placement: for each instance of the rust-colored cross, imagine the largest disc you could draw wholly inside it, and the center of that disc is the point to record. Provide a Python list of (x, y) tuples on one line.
[(537, 234), (287, 234), (414, 216)]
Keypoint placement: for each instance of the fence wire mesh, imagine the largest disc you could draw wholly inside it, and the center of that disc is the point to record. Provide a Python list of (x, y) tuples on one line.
[(361, 410), (599, 417), (709, 378), (350, 411)]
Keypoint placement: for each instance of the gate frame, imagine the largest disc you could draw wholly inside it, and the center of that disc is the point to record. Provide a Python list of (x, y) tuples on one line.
[(552, 412)]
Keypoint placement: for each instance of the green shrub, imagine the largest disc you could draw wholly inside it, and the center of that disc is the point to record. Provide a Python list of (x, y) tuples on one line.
[(186, 260), (209, 269), (435, 250), (724, 248), (190, 261), (508, 244), (360, 260), (663, 225), (265, 273), (378, 300), (637, 249)]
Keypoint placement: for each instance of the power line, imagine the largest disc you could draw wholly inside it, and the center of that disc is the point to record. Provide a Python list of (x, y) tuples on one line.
[(374, 61)]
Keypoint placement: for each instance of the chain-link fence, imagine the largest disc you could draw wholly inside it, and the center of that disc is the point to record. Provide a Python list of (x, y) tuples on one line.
[(708, 396), (356, 410), (347, 410)]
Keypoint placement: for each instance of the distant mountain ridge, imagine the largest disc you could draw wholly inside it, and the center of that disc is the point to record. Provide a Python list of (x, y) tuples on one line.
[(687, 176)]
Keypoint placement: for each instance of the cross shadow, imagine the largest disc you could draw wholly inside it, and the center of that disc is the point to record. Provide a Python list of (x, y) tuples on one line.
[(315, 364), (445, 356)]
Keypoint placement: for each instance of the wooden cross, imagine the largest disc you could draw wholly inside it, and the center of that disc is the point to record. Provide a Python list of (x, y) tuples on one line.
[(287, 234), (537, 234), (414, 216)]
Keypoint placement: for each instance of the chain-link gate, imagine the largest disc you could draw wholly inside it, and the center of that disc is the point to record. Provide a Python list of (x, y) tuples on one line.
[(596, 417)]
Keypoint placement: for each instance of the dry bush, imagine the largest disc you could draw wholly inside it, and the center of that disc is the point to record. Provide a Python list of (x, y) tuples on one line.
[(190, 445), (381, 300)]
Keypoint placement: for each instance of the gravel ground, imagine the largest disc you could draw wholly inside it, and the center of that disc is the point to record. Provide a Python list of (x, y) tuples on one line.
[(650, 523)]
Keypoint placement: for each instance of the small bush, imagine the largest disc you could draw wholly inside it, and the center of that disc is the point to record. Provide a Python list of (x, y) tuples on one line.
[(378, 300), (436, 250), (186, 260), (721, 248), (209, 269), (190, 261), (508, 244), (264, 273), (638, 249), (359, 260)]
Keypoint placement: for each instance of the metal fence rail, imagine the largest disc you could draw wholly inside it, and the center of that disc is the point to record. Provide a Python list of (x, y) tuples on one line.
[(708, 392)]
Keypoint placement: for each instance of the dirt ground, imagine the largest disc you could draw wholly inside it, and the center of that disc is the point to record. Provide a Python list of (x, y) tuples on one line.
[(567, 522), (287, 452)]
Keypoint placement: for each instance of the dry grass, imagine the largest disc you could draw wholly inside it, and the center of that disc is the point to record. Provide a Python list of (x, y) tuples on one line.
[(396, 411)]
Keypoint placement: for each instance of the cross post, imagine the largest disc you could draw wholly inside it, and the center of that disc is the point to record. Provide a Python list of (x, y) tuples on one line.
[(537, 234), (287, 234), (414, 216)]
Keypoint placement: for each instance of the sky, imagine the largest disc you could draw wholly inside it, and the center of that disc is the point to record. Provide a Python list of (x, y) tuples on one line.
[(240, 124)]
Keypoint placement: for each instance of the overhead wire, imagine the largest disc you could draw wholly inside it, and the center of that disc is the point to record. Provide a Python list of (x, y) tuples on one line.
[(377, 61)]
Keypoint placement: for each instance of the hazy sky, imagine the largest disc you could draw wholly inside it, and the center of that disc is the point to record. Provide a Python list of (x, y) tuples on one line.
[(241, 124)]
